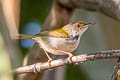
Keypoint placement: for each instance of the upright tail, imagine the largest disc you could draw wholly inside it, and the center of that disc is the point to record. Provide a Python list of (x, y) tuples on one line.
[(25, 36)]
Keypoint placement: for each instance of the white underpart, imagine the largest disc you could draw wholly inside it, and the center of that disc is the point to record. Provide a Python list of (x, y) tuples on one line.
[(58, 43), (50, 43)]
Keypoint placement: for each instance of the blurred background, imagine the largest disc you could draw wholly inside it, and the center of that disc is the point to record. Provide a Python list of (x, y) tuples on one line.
[(102, 36)]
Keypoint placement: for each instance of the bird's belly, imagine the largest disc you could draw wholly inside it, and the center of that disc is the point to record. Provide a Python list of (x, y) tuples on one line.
[(63, 44), (52, 44), (69, 47)]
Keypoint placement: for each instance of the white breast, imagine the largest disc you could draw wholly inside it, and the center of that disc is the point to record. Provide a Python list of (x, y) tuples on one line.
[(59, 43), (64, 44)]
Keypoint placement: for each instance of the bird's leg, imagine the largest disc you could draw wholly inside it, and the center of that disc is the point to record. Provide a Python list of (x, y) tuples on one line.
[(49, 58), (69, 54)]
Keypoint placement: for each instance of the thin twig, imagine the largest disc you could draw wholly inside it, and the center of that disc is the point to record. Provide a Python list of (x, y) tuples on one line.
[(38, 67)]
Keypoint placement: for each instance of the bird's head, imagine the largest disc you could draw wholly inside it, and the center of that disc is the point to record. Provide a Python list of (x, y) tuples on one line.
[(78, 27), (82, 26)]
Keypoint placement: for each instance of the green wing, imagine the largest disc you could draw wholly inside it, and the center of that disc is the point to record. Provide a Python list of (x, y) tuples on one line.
[(59, 33)]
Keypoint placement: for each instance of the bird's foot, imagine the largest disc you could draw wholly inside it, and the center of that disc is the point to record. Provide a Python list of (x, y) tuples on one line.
[(49, 61), (70, 58)]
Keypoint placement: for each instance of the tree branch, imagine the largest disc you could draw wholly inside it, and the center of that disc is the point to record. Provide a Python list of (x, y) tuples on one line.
[(38, 67), (107, 7)]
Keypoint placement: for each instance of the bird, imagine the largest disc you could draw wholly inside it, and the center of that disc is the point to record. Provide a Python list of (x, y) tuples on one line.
[(62, 41)]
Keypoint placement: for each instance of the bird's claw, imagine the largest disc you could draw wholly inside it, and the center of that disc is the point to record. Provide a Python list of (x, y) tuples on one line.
[(70, 58), (49, 62)]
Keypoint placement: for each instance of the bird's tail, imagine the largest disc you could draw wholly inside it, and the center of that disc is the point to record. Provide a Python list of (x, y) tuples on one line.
[(25, 36)]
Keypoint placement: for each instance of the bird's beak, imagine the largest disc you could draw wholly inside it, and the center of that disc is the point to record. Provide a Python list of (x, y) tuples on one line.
[(89, 24)]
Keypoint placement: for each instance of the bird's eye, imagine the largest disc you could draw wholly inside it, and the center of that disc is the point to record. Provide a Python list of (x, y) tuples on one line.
[(78, 25)]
